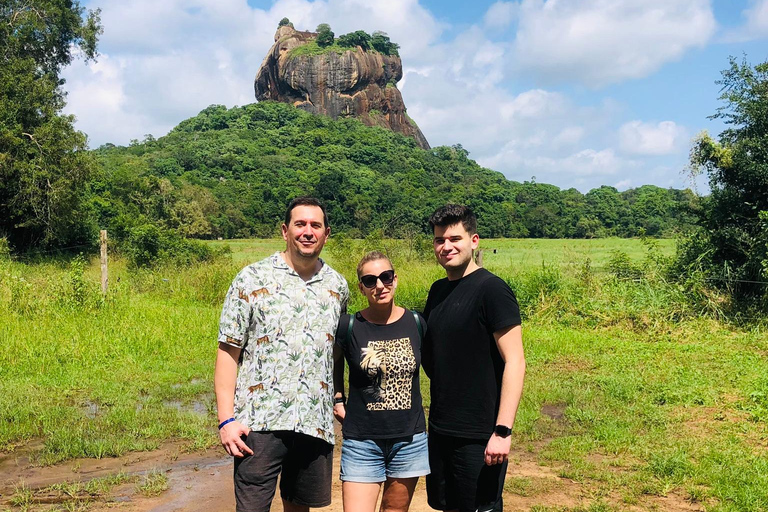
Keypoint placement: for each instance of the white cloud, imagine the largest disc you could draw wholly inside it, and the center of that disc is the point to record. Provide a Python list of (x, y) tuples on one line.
[(501, 14), (664, 138), (590, 162), (568, 137), (598, 42), (584, 169), (535, 103), (755, 23), (623, 184), (757, 18), (97, 97)]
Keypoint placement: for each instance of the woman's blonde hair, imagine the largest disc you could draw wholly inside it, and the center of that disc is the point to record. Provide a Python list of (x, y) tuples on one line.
[(372, 256)]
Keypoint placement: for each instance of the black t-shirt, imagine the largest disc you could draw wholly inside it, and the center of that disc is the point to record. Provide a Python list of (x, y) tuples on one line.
[(384, 397), (460, 352)]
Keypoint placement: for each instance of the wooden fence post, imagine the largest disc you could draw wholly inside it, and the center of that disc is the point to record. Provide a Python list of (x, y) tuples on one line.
[(479, 258), (104, 268)]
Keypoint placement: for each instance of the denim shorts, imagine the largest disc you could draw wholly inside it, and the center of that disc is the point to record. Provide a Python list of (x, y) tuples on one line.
[(375, 460)]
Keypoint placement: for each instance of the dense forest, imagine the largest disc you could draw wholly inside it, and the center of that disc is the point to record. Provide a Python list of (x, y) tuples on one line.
[(229, 173)]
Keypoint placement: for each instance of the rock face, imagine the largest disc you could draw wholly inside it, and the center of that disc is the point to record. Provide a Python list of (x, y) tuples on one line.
[(356, 83)]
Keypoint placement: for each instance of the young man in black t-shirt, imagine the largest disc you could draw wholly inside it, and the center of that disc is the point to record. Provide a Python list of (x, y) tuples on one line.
[(473, 354)]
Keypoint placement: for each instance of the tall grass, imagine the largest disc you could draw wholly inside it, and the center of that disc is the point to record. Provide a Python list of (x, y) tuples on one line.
[(636, 386)]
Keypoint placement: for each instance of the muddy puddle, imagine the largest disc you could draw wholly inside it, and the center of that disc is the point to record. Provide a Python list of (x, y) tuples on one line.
[(196, 482), (203, 482)]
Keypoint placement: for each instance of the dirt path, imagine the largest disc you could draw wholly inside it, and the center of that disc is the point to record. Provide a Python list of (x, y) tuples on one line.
[(196, 482), (203, 482)]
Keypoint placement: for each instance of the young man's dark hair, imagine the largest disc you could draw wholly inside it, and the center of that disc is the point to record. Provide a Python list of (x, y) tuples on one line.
[(451, 214), (305, 201)]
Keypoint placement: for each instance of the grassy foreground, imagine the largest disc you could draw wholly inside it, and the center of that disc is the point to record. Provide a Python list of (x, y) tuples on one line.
[(634, 388)]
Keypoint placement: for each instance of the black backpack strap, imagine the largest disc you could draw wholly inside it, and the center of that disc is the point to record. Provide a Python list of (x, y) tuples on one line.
[(418, 324), (349, 328)]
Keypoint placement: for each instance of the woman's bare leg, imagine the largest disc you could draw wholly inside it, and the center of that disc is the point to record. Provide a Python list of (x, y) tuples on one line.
[(397, 494), (360, 497)]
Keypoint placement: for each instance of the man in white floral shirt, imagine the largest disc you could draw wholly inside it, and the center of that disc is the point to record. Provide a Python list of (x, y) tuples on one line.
[(273, 377)]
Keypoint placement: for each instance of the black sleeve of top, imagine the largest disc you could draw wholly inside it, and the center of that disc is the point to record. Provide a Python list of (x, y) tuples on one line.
[(341, 331), (500, 306)]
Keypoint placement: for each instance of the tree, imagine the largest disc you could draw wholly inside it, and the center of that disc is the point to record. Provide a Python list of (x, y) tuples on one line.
[(604, 203), (650, 210), (284, 22), (737, 167), (359, 38), (44, 165), (324, 35), (381, 43), (228, 172)]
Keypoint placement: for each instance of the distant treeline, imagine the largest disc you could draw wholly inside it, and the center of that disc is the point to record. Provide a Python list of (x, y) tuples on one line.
[(230, 172)]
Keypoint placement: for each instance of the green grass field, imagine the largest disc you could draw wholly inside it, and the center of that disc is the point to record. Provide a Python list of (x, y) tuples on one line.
[(516, 253), (633, 389)]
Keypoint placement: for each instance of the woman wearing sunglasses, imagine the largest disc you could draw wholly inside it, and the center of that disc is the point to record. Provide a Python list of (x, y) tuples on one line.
[(385, 438)]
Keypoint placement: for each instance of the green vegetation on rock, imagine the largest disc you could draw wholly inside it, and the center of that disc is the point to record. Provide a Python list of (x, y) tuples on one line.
[(311, 48), (325, 42)]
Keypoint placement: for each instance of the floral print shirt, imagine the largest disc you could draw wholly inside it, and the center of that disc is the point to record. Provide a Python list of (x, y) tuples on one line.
[(285, 328)]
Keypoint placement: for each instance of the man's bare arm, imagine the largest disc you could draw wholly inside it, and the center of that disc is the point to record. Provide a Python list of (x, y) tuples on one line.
[(224, 381), (510, 344)]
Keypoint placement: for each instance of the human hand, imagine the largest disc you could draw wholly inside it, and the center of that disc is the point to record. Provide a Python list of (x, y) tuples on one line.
[(339, 412), (497, 449), (232, 441)]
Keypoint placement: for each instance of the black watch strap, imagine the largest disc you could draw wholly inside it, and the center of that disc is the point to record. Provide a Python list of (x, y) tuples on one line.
[(502, 431), (340, 400)]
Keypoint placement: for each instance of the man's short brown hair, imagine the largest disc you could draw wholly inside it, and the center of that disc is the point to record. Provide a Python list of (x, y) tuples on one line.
[(305, 201)]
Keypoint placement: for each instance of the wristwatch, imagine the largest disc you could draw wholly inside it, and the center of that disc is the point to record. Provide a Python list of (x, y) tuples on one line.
[(340, 400), (502, 430)]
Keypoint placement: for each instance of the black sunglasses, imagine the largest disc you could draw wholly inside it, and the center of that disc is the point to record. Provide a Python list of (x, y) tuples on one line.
[(387, 278)]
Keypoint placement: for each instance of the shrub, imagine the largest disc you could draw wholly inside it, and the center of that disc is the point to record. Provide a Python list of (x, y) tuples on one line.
[(78, 291), (142, 247), (5, 249), (23, 299), (148, 244), (621, 266)]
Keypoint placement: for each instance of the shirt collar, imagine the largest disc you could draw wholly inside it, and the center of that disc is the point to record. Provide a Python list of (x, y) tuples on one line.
[(279, 263)]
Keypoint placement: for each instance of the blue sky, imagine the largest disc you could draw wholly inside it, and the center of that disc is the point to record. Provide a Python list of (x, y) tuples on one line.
[(578, 93)]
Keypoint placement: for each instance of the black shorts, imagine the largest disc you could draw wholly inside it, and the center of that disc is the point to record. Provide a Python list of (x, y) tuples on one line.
[(305, 464), (460, 479)]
